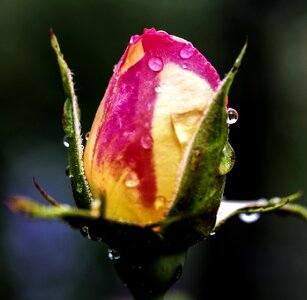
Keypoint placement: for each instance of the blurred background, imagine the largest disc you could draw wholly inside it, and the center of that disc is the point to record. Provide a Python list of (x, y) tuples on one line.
[(48, 260)]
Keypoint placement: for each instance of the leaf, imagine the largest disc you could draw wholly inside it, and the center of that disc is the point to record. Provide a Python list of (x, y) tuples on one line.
[(229, 209)]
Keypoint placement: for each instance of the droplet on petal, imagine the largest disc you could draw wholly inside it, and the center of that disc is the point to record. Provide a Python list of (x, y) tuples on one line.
[(87, 135), (232, 116), (157, 89), (132, 180), (155, 64), (146, 141), (186, 52), (160, 202)]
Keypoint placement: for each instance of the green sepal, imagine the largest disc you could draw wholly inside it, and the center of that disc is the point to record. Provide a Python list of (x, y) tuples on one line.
[(202, 185), (72, 129)]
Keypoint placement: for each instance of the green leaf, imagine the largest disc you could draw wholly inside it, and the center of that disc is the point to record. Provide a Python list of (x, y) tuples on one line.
[(202, 184), (231, 208), (72, 128)]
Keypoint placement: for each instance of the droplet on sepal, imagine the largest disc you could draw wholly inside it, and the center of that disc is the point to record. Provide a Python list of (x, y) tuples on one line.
[(65, 142), (113, 254), (146, 141), (79, 188), (186, 52), (132, 180), (249, 218), (155, 64), (232, 116), (67, 171)]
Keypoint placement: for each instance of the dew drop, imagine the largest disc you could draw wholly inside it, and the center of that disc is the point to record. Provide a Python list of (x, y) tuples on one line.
[(132, 180), (113, 254), (232, 116), (155, 64), (249, 218), (85, 232), (186, 52), (178, 272), (160, 202), (65, 142), (87, 135), (67, 172), (79, 188), (146, 141), (157, 89), (184, 66), (212, 233)]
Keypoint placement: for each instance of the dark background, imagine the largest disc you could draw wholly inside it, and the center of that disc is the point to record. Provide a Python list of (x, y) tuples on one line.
[(47, 260)]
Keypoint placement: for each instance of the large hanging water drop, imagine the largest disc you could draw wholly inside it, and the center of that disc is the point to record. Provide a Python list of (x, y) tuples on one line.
[(132, 180), (249, 218), (155, 64), (232, 116)]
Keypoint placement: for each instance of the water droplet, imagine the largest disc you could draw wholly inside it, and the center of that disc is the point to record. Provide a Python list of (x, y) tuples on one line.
[(87, 135), (65, 142), (113, 254), (212, 233), (132, 180), (157, 89), (114, 68), (186, 52), (232, 116), (155, 64), (178, 272), (79, 188), (95, 207), (184, 66), (249, 218), (160, 202), (67, 172), (134, 39), (85, 232), (146, 141)]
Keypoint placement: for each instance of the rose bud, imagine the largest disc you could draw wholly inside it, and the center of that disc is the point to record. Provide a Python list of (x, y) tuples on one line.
[(141, 138)]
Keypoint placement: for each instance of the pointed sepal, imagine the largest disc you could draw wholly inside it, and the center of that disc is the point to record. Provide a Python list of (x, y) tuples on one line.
[(72, 128), (202, 185)]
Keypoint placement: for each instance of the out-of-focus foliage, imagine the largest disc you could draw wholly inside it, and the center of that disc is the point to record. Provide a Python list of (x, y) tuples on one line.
[(264, 260)]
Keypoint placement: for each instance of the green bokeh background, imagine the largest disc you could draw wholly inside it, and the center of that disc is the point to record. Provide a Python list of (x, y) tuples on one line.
[(47, 260)]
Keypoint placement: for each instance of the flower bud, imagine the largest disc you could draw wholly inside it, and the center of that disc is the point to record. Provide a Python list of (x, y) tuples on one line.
[(142, 134)]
